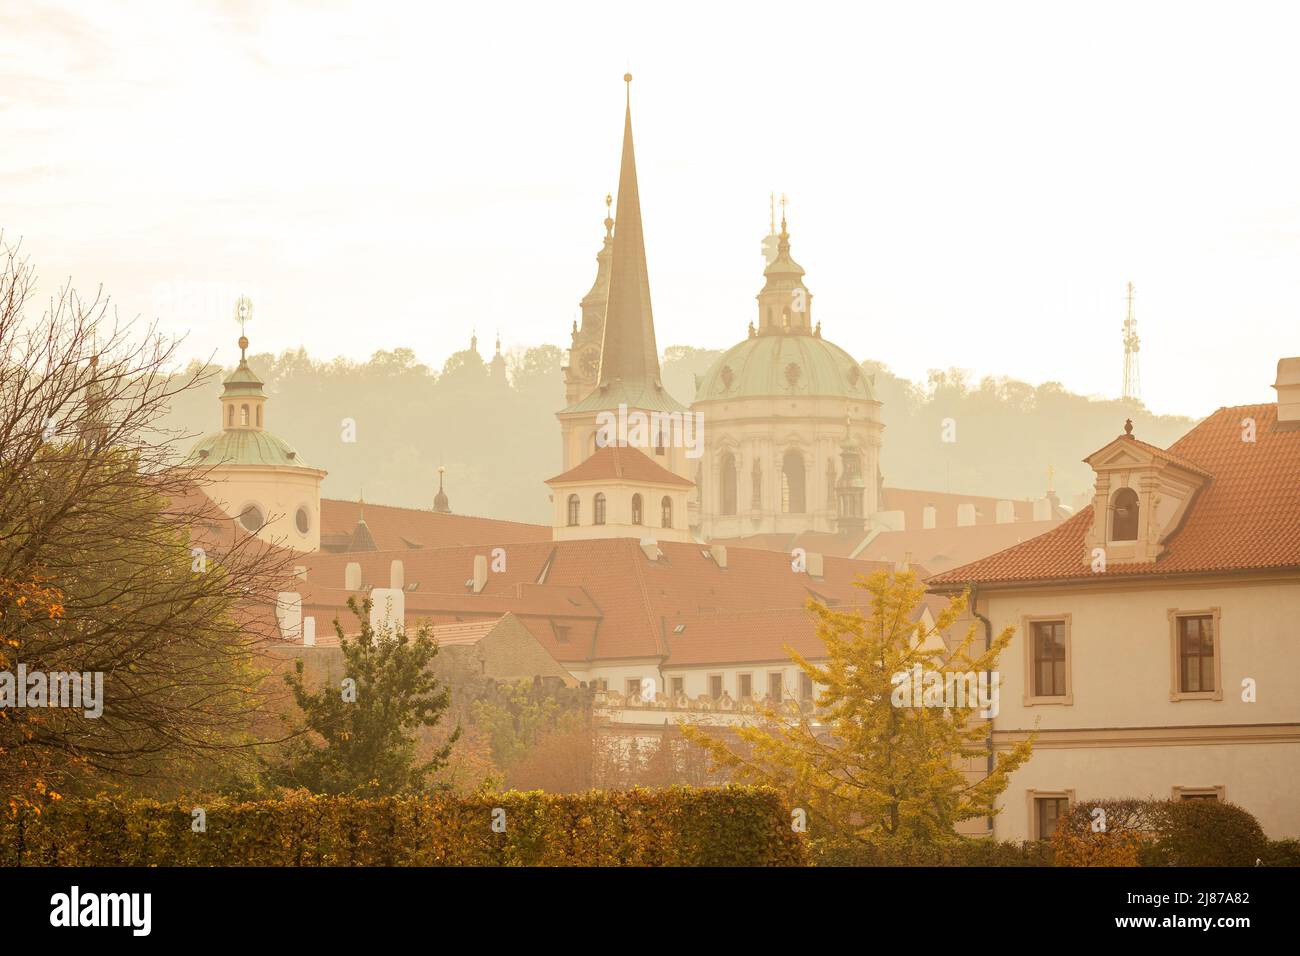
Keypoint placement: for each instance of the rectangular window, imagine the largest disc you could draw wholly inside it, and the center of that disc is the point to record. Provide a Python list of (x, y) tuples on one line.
[(746, 683), (679, 686), (1196, 654), (1047, 812), (1216, 794), (1049, 658), (715, 686), (774, 683), (633, 685), (805, 688), (561, 633)]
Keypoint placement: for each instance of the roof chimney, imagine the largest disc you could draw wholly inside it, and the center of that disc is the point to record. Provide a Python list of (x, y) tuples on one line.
[(650, 547), (719, 552), (816, 564), (288, 614), (352, 576), (1288, 390), (965, 514), (929, 514), (480, 573), (1005, 512), (396, 576)]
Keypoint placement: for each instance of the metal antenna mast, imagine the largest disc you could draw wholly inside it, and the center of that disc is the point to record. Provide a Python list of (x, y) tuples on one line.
[(1132, 383)]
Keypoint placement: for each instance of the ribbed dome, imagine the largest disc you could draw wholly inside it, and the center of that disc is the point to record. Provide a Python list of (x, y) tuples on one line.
[(244, 446), (784, 365)]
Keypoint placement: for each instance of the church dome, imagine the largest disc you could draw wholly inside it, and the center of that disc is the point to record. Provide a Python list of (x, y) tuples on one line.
[(766, 366), (242, 446)]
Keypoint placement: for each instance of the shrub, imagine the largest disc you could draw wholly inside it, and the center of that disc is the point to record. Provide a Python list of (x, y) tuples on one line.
[(1158, 833), (1209, 833), (729, 826), (1282, 853)]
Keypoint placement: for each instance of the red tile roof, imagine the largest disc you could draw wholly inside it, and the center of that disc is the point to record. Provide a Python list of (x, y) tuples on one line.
[(939, 549), (813, 542), (619, 461), (1246, 517), (395, 529), (615, 600)]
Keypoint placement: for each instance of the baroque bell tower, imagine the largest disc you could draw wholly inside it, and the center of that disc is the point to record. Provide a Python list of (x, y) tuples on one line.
[(583, 371)]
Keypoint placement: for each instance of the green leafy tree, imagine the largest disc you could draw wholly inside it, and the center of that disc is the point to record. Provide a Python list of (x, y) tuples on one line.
[(361, 733), (865, 767)]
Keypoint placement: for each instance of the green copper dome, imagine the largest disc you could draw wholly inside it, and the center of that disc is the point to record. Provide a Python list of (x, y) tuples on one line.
[(244, 446), (780, 365)]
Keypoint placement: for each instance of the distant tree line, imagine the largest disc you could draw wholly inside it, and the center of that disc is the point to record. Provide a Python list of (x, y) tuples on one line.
[(498, 437)]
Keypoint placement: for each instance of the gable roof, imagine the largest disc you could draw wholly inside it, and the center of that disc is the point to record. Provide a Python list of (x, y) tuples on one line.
[(614, 462), (1245, 518)]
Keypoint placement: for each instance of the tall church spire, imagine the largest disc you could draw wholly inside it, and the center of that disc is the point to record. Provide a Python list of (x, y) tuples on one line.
[(629, 353)]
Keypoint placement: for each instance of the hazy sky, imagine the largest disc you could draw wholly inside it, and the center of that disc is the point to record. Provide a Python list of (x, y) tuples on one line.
[(970, 184)]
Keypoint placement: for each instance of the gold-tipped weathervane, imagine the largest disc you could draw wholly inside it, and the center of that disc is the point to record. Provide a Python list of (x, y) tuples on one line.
[(243, 315)]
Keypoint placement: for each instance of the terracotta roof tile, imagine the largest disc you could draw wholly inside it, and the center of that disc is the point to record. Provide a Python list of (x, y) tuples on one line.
[(394, 529), (621, 461), (615, 600), (1246, 517)]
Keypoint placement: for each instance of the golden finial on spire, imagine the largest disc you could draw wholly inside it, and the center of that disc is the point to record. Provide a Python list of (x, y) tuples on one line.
[(784, 233), (627, 78), (243, 315), (609, 219)]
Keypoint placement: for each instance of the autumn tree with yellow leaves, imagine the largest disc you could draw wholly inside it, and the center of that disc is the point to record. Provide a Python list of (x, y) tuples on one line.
[(865, 764)]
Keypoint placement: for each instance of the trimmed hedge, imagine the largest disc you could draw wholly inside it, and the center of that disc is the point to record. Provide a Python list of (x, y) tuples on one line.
[(728, 826), (962, 852)]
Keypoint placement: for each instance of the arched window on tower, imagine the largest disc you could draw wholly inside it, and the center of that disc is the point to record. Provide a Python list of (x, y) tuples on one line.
[(243, 415), (793, 499), (636, 509), (666, 509), (598, 509), (756, 486), (727, 483), (230, 416), (259, 416), (1124, 515), (573, 511)]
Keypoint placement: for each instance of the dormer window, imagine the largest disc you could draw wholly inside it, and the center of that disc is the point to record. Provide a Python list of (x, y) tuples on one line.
[(1142, 495), (1124, 515)]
